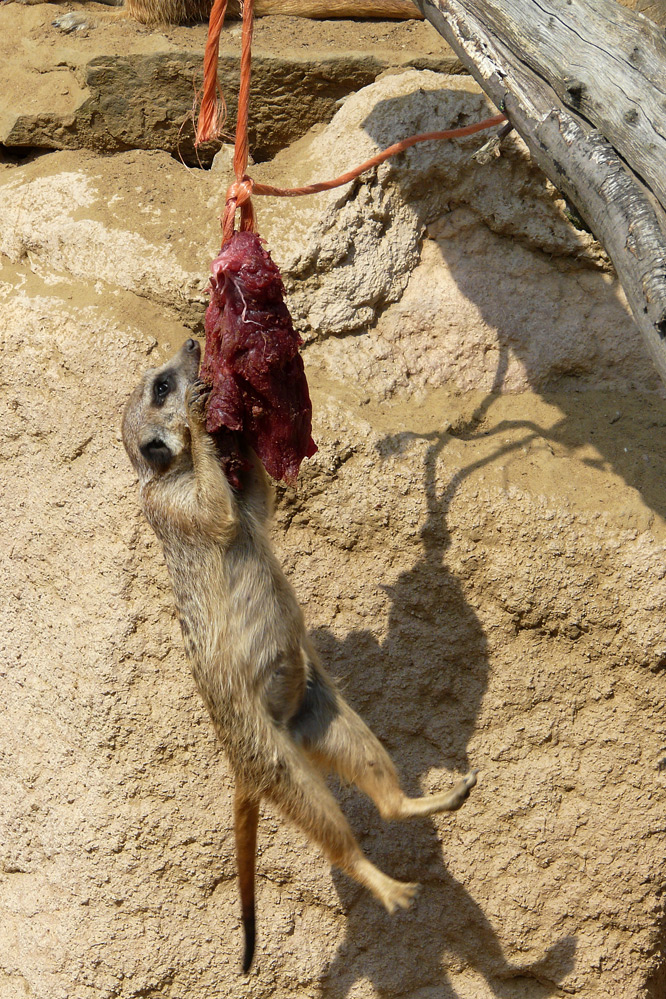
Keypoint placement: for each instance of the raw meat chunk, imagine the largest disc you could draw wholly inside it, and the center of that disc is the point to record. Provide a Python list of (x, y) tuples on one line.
[(253, 364)]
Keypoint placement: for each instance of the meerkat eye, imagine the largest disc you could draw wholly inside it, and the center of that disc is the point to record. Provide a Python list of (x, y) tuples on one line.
[(162, 385)]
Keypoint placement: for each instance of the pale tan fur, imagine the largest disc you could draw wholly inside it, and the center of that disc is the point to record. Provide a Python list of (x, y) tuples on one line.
[(278, 715), (190, 11)]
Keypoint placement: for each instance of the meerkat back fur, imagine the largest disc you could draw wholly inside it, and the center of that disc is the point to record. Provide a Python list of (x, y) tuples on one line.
[(189, 11), (279, 717)]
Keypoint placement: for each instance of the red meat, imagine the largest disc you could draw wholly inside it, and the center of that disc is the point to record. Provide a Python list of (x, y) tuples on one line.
[(252, 361)]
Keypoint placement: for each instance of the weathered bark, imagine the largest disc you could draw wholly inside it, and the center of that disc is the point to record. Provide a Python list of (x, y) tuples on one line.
[(584, 85)]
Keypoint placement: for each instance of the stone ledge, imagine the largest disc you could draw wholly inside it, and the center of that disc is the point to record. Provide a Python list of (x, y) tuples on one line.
[(117, 86)]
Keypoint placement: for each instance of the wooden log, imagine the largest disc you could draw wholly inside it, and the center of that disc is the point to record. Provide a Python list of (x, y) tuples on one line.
[(584, 85), (604, 62)]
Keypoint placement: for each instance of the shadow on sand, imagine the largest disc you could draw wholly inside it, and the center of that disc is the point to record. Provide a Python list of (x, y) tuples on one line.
[(430, 625)]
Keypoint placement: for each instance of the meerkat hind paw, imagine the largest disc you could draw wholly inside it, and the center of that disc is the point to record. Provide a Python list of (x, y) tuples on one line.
[(460, 792), (400, 895), (391, 893), (447, 801)]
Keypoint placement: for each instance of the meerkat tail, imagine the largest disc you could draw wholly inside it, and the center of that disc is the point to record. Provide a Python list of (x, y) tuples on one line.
[(246, 815)]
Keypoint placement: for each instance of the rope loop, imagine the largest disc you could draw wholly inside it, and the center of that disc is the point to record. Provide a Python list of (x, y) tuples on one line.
[(240, 191), (239, 195)]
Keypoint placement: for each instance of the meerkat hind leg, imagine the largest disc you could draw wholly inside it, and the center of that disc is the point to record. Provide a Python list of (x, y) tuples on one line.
[(336, 738), (302, 796)]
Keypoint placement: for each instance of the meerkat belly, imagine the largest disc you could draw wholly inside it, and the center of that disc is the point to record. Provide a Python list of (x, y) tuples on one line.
[(242, 626)]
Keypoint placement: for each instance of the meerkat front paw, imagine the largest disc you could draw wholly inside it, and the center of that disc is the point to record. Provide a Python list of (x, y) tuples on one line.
[(198, 395)]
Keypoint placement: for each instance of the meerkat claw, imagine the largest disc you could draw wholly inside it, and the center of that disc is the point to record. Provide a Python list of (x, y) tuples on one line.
[(469, 780), (198, 395), (398, 895), (405, 898), (461, 791)]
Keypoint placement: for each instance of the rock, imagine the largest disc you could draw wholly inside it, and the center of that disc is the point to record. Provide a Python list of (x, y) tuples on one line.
[(462, 584), (352, 252), (223, 161), (467, 319), (127, 87), (76, 216), (457, 307)]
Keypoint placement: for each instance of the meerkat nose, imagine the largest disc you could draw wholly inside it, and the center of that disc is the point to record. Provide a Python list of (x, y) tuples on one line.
[(191, 345)]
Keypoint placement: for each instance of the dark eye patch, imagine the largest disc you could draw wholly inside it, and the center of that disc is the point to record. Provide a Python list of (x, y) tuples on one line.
[(164, 383), (157, 454)]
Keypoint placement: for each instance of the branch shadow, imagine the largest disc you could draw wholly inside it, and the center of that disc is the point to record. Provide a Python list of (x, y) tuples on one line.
[(560, 340)]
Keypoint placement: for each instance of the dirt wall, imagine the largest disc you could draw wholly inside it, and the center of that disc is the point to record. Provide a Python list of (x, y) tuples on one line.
[(478, 546)]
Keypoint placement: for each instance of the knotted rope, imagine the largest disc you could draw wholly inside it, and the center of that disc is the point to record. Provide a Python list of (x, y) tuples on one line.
[(239, 194)]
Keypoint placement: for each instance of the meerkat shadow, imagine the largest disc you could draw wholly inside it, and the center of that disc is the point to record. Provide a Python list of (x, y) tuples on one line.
[(410, 950), (420, 691), (445, 945), (424, 716)]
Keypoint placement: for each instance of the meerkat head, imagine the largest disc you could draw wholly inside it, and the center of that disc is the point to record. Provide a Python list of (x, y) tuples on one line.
[(155, 429)]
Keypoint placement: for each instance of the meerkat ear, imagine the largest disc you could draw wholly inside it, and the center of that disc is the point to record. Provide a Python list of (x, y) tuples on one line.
[(158, 454)]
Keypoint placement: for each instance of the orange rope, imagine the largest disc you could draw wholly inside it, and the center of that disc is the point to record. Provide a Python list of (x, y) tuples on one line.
[(241, 190), (239, 193), (397, 147), (210, 115), (242, 150)]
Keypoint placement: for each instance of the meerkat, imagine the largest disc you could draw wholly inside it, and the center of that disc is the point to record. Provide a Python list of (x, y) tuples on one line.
[(190, 11), (279, 717)]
